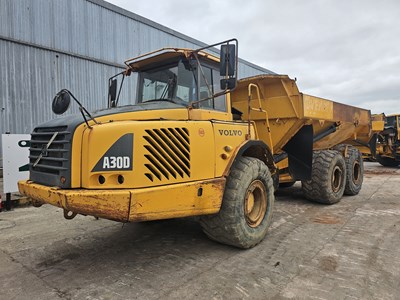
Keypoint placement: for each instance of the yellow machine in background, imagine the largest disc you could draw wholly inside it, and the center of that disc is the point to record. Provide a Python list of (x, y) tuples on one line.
[(367, 143), (387, 130), (196, 145), (383, 142)]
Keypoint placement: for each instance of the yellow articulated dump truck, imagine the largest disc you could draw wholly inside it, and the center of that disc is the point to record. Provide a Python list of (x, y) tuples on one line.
[(367, 143), (383, 144), (388, 141), (196, 143)]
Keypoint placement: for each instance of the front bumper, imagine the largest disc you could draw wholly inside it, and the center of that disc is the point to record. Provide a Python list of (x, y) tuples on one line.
[(133, 205)]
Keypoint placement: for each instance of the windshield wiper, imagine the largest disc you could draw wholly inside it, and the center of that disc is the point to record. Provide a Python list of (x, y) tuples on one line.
[(169, 88), (173, 100)]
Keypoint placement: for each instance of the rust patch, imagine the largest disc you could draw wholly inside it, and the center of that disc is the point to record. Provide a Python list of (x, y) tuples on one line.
[(327, 219)]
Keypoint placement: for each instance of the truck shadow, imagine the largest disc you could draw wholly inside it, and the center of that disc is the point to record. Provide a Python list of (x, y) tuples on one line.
[(291, 194), (154, 248), (150, 247)]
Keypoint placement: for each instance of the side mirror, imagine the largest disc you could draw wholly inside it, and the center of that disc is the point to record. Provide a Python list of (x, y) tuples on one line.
[(228, 84), (112, 92), (227, 60), (61, 102), (228, 63)]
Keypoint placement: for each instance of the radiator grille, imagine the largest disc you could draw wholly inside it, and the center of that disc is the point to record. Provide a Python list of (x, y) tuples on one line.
[(53, 159), (167, 153)]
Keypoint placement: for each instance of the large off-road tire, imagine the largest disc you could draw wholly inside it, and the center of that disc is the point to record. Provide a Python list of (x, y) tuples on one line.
[(387, 161), (247, 206), (354, 168), (328, 177)]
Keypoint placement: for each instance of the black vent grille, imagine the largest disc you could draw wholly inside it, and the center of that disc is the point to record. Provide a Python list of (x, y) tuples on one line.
[(54, 158), (167, 153)]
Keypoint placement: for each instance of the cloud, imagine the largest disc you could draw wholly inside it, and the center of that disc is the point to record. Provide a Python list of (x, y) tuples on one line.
[(347, 51)]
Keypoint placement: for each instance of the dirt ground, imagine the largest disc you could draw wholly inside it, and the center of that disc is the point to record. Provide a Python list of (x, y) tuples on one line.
[(349, 250)]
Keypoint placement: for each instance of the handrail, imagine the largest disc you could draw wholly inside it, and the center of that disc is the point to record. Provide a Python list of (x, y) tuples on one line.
[(260, 109)]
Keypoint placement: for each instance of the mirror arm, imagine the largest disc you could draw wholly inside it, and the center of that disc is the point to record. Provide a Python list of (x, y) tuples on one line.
[(125, 72), (81, 107), (192, 104), (83, 115), (120, 88), (202, 73)]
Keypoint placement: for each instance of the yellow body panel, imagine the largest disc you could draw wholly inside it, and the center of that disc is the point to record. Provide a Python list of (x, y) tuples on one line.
[(317, 108), (173, 201), (378, 126), (202, 114), (77, 156), (100, 138), (228, 137), (284, 175)]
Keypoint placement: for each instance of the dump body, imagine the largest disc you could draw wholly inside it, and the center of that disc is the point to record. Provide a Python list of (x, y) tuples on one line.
[(288, 110), (294, 124)]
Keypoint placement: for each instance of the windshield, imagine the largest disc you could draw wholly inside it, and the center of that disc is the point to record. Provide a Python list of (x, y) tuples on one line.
[(391, 121), (174, 82), (182, 83)]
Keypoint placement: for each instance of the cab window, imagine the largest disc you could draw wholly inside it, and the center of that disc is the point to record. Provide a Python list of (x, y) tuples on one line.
[(209, 86)]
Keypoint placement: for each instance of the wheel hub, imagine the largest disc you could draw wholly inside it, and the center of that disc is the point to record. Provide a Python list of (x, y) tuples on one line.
[(337, 179), (356, 172), (255, 203)]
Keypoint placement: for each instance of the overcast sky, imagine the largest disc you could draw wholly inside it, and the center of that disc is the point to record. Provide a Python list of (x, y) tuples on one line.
[(346, 51)]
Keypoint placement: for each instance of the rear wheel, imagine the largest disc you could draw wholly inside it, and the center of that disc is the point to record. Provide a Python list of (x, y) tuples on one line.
[(354, 169), (328, 177), (247, 206), (387, 161)]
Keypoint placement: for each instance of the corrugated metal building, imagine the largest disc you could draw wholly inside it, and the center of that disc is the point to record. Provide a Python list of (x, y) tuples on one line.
[(47, 45)]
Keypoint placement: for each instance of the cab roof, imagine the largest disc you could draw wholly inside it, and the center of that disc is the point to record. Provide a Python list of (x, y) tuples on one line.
[(165, 54)]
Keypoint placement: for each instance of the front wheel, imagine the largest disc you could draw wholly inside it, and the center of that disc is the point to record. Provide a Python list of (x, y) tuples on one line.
[(247, 206)]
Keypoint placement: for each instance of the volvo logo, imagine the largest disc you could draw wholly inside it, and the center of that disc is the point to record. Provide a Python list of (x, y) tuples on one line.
[(44, 151)]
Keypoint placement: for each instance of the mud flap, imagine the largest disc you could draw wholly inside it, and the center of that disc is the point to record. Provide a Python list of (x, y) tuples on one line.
[(372, 144), (300, 152)]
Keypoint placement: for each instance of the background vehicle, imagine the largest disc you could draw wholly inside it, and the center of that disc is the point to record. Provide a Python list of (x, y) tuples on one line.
[(383, 144), (388, 142), (195, 145)]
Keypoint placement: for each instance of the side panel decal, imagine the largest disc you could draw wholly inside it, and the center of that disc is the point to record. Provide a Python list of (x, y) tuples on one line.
[(118, 156)]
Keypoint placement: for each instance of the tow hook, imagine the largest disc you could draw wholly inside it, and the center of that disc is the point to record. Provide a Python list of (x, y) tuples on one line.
[(69, 215), (36, 203)]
